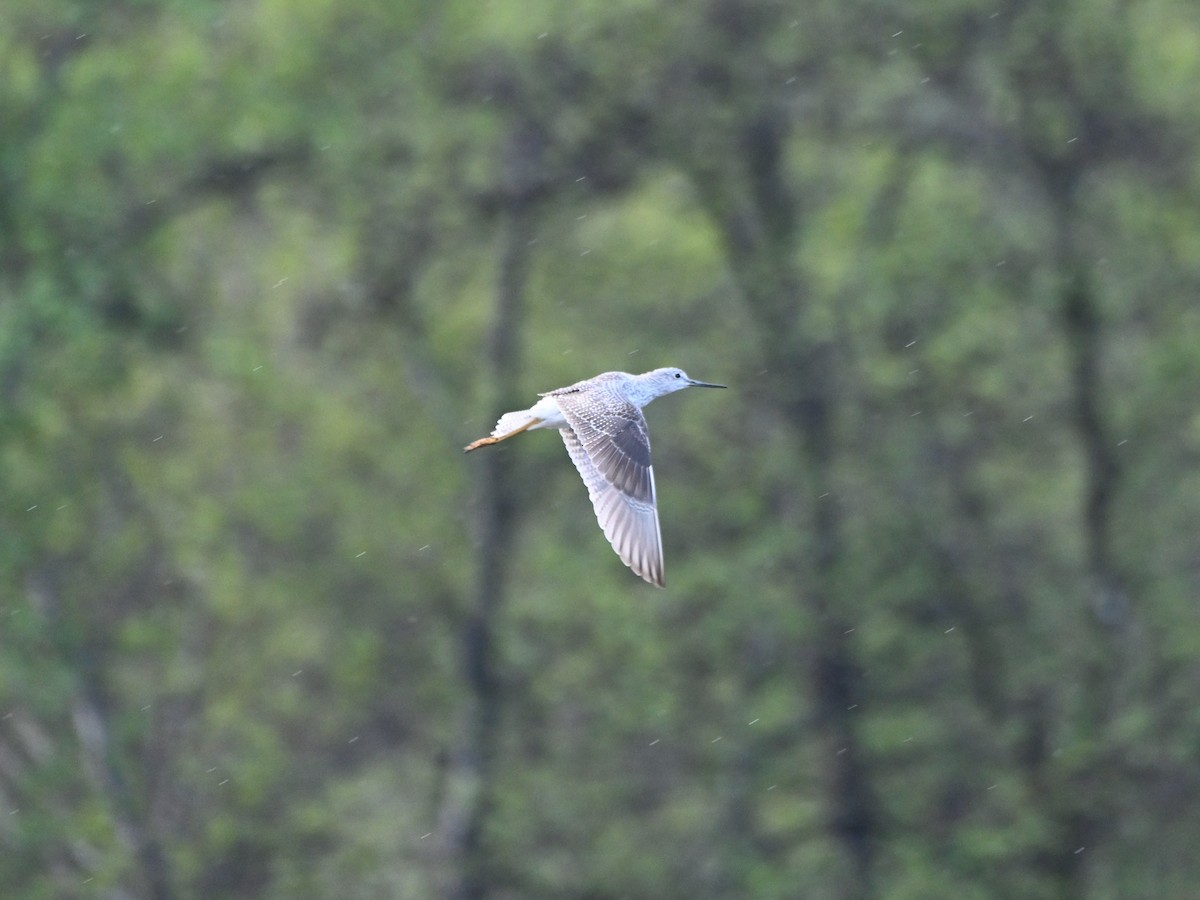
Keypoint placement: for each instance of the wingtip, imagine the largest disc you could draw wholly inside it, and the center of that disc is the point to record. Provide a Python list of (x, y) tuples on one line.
[(656, 578)]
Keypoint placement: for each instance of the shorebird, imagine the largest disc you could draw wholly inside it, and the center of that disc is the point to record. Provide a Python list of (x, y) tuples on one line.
[(601, 422)]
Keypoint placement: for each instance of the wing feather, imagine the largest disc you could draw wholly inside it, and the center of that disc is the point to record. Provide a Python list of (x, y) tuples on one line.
[(613, 432), (620, 485)]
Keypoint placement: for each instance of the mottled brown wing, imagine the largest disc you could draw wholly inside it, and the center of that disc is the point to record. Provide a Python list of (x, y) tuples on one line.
[(611, 450)]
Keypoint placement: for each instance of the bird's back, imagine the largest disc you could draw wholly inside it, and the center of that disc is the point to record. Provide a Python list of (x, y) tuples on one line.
[(604, 384)]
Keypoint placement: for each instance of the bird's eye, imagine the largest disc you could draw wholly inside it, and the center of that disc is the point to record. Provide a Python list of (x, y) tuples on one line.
[(677, 375)]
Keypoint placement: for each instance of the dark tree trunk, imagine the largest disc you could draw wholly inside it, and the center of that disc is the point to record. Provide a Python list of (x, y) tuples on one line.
[(746, 196), (471, 776), (1079, 824)]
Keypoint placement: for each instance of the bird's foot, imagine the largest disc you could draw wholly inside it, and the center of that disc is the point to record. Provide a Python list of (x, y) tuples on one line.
[(497, 438)]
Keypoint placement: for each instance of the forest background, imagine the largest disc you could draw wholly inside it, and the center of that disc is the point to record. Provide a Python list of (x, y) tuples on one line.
[(930, 626)]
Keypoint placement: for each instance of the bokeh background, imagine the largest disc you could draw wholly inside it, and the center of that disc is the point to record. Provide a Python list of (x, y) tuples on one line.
[(930, 627)]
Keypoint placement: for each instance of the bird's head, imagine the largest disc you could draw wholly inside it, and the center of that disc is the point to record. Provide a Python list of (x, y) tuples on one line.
[(670, 379)]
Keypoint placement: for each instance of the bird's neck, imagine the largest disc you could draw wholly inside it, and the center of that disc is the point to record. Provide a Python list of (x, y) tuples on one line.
[(640, 392)]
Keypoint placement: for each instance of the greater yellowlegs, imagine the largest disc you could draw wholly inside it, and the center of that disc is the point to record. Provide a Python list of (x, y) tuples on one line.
[(601, 423)]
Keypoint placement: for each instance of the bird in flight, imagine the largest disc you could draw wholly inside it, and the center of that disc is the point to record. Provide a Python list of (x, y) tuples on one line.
[(601, 422)]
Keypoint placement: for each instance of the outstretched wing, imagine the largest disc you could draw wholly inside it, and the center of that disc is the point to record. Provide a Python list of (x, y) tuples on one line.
[(611, 449)]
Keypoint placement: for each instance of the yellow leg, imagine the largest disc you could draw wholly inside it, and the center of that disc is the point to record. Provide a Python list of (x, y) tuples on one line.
[(483, 442)]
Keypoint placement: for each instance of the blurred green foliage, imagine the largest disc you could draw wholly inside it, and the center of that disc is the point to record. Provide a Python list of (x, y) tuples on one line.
[(930, 628)]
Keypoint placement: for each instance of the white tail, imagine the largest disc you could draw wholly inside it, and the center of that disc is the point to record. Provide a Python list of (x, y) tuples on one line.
[(511, 421)]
